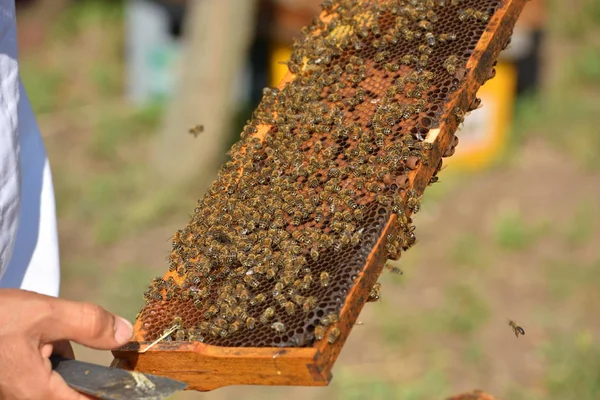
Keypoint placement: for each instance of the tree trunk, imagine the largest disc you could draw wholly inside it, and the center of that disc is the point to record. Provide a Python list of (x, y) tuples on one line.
[(218, 34)]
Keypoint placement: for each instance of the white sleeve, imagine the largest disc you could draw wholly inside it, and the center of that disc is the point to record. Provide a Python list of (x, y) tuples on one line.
[(10, 179), (32, 234), (34, 264)]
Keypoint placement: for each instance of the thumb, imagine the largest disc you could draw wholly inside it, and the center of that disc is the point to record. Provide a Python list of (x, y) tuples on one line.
[(85, 323)]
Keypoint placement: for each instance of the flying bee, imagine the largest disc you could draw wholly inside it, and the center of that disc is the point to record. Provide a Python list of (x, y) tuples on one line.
[(267, 315), (393, 269), (196, 130), (375, 293), (516, 328), (333, 335), (278, 327)]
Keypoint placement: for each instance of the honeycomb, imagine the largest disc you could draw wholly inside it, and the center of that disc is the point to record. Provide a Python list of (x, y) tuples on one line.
[(275, 245)]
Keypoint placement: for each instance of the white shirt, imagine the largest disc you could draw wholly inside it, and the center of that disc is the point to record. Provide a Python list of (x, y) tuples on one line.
[(29, 257)]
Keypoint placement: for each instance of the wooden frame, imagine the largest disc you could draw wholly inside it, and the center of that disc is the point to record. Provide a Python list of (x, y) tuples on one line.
[(206, 367)]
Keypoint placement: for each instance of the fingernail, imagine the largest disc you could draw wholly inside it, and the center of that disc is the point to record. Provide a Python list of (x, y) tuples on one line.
[(123, 330)]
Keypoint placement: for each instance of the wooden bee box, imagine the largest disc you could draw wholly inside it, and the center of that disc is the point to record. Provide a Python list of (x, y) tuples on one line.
[(300, 357)]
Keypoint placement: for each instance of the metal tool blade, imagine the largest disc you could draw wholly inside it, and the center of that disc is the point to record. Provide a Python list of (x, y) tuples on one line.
[(108, 383)]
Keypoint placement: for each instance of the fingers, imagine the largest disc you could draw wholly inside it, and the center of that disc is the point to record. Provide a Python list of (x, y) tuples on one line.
[(63, 349), (84, 323)]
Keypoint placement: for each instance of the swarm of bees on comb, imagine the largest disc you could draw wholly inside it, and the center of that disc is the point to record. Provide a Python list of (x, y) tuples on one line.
[(276, 244)]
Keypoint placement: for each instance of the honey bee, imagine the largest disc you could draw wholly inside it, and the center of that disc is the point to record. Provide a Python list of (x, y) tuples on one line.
[(407, 33), (196, 130), (464, 15), (393, 269), (192, 334), (250, 323), (319, 332), (375, 293), (212, 310), (281, 299), (290, 308), (518, 330), (451, 64), (180, 335), (267, 315), (391, 67), (278, 327), (333, 335), (309, 303), (381, 56), (204, 326), (412, 201), (330, 319), (234, 327), (424, 24), (277, 289), (446, 37), (307, 280)]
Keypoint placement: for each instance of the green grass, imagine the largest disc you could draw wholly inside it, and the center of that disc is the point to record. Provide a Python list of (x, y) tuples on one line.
[(43, 86), (88, 14), (568, 278), (468, 251), (473, 354), (123, 289), (581, 227), (573, 366), (584, 67), (429, 385), (463, 312), (113, 132), (513, 233), (399, 328)]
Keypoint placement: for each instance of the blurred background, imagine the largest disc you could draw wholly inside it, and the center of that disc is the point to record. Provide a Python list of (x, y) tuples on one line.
[(512, 230)]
